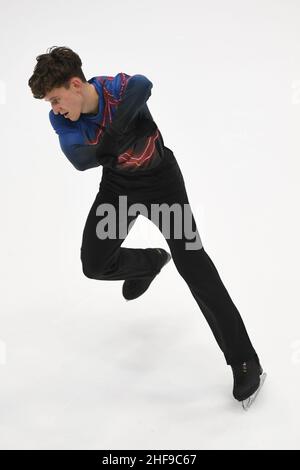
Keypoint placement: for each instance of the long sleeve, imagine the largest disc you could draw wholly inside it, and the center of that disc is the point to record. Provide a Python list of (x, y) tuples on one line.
[(130, 95), (82, 156), (106, 152)]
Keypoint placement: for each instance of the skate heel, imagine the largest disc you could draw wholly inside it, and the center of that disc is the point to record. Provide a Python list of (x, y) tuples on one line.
[(248, 402)]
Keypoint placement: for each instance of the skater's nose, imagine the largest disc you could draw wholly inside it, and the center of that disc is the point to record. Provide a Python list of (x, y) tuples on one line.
[(55, 108)]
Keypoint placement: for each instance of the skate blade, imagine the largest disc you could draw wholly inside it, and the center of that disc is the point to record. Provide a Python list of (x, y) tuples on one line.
[(248, 402)]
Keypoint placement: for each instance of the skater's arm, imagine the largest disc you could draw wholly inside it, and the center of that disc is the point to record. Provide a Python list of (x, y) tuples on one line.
[(130, 94), (105, 152), (84, 156)]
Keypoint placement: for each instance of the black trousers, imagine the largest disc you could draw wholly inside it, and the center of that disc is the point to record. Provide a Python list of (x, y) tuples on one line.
[(105, 259)]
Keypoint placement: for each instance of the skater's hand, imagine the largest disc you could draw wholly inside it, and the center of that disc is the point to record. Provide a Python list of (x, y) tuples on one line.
[(112, 144), (108, 149), (109, 144)]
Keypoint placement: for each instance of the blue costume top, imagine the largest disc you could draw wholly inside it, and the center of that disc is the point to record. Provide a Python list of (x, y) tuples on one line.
[(122, 135)]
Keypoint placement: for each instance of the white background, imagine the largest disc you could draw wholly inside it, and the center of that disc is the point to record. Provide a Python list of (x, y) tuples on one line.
[(80, 368)]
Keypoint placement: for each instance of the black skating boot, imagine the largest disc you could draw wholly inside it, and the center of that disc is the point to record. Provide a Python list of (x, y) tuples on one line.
[(248, 380), (133, 288)]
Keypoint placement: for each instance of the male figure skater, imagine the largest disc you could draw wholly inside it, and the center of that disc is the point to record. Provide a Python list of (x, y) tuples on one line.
[(106, 121)]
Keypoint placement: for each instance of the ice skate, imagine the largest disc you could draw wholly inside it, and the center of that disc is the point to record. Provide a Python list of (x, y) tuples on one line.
[(249, 378), (133, 288), (248, 402)]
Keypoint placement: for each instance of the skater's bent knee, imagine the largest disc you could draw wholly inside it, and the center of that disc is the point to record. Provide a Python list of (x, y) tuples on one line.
[(93, 270)]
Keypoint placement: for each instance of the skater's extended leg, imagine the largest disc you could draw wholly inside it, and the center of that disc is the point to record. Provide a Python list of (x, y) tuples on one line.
[(204, 282)]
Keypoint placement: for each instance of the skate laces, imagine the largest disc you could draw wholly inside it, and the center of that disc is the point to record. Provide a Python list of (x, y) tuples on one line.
[(239, 370), (246, 367)]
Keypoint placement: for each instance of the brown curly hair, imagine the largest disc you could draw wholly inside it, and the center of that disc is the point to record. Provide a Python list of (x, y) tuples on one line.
[(55, 69)]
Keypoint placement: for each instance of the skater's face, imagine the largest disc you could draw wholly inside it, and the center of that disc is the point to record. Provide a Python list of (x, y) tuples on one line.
[(72, 100)]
